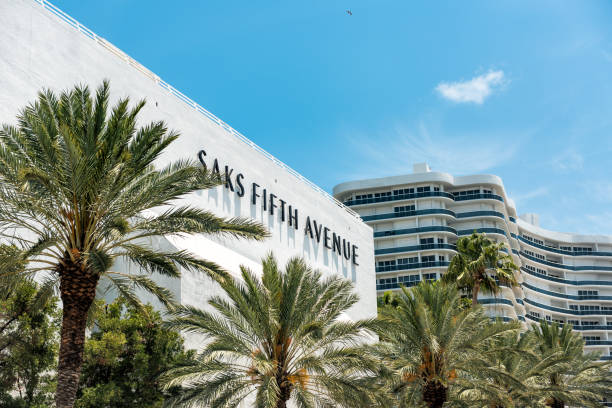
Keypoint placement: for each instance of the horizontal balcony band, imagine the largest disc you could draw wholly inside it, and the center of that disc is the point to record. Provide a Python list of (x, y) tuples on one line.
[(491, 301), (512, 219), (598, 342), (566, 281), (486, 230), (407, 231), (576, 327), (417, 265), (565, 295), (440, 228), (443, 194), (432, 211), (480, 214), (396, 285), (569, 311), (567, 267), (562, 251), (413, 248)]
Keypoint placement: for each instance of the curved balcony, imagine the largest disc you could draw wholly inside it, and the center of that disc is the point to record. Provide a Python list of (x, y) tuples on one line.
[(481, 196), (480, 214), (568, 282), (565, 295), (562, 251), (406, 231), (569, 311), (386, 216), (486, 230), (443, 194), (512, 219), (432, 211), (567, 267), (414, 248), (585, 327), (493, 301), (417, 265), (399, 197)]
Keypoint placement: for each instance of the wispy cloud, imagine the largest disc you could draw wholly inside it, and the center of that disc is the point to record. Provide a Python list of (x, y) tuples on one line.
[(522, 198), (568, 160), (475, 90), (393, 151)]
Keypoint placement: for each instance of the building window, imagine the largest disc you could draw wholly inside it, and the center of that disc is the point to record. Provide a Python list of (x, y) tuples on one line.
[(441, 258), (409, 280), (403, 191), (436, 188), (404, 209), (534, 314), (583, 249), (574, 322), (427, 241), (406, 261), (440, 240), (424, 189), (428, 259), (566, 248), (382, 195), (588, 293), (429, 277)]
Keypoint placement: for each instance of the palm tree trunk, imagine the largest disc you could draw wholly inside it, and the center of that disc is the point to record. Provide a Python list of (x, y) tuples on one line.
[(555, 403), (283, 398), (78, 291), (475, 291), (434, 394)]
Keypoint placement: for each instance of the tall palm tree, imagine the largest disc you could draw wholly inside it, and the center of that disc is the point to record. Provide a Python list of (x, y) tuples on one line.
[(581, 380), (480, 265), (431, 343), (277, 339), (78, 189)]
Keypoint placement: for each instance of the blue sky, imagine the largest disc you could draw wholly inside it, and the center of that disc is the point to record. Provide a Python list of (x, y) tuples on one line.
[(520, 89)]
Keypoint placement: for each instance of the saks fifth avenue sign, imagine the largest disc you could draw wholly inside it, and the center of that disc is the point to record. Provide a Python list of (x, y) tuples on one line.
[(271, 203)]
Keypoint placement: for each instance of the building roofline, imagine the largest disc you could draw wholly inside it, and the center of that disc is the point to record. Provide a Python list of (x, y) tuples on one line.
[(188, 101)]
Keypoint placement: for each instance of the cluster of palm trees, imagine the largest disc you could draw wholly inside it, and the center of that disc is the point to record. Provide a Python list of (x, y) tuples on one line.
[(282, 339), (78, 191)]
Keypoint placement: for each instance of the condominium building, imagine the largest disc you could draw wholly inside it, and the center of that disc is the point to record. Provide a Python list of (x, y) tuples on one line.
[(418, 218)]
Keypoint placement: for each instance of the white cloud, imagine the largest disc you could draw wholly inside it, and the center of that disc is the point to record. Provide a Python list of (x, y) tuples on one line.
[(475, 90), (394, 151)]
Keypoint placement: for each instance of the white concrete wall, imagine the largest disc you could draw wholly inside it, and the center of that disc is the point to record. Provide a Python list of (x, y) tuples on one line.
[(39, 50)]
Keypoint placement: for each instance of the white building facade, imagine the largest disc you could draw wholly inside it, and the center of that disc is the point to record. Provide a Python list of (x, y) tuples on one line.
[(417, 219), (41, 47)]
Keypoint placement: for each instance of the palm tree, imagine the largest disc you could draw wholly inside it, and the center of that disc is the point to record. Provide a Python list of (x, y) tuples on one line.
[(281, 338), (480, 265), (79, 190), (431, 343), (510, 373), (580, 381)]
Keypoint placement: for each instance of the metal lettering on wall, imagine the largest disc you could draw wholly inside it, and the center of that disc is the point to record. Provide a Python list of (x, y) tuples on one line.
[(271, 203)]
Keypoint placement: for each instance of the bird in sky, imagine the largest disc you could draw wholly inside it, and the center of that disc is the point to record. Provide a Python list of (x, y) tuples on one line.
[(349, 12)]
